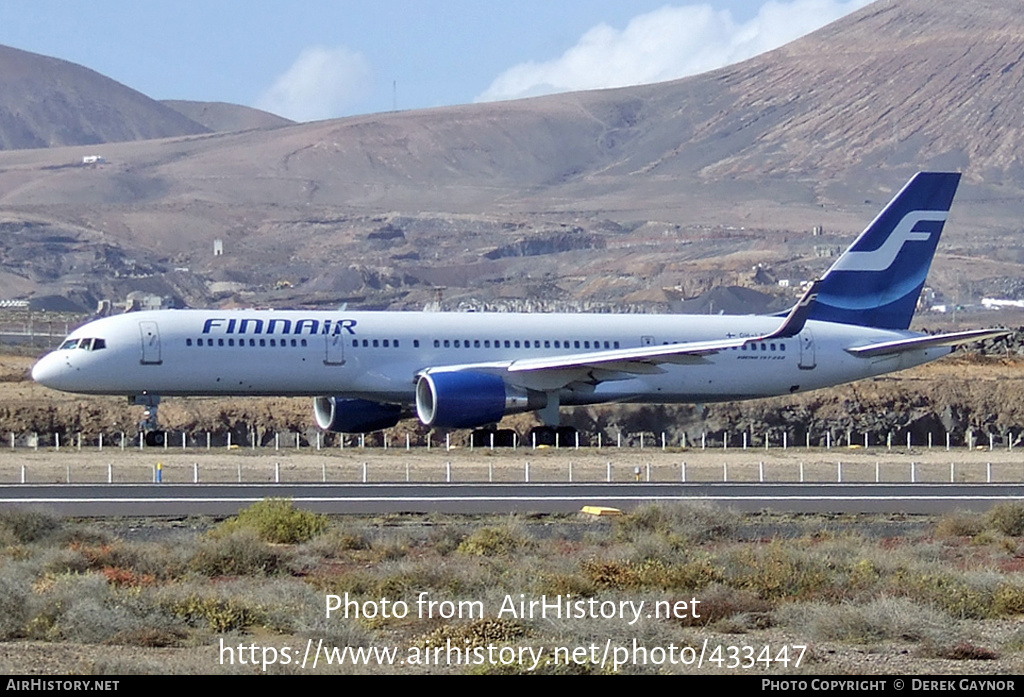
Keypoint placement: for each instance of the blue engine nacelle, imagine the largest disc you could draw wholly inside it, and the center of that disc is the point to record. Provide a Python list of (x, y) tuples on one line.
[(354, 415), (466, 399)]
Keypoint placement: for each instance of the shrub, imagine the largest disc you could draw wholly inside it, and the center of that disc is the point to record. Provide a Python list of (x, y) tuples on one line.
[(29, 526), (959, 524), (493, 541), (681, 523), (241, 553), (277, 521), (1007, 518)]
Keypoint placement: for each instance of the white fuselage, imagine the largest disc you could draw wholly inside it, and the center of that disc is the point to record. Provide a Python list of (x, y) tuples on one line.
[(377, 355)]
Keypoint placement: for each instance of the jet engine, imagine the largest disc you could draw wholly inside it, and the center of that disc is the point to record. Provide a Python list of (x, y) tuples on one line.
[(354, 415), (467, 399)]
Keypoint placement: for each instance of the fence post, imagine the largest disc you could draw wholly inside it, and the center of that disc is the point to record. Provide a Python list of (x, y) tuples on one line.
[(725, 471), (609, 477), (527, 471), (682, 472), (448, 472), (110, 473), (760, 471), (364, 472), (195, 472)]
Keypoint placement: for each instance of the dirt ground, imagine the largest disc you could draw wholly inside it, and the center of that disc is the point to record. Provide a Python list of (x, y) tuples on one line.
[(132, 465)]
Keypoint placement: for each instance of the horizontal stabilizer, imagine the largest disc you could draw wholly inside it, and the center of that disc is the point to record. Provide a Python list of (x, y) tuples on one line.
[(917, 343)]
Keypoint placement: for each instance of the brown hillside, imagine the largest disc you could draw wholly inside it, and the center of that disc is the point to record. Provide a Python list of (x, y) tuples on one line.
[(47, 102), (608, 195), (221, 117)]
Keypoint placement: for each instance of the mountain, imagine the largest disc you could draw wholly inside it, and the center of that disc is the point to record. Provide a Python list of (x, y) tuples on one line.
[(221, 117), (47, 102), (571, 200)]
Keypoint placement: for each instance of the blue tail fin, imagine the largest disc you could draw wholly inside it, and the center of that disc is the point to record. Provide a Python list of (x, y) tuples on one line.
[(877, 281)]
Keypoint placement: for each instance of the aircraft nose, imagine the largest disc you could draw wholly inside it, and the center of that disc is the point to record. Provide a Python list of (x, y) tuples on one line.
[(48, 371)]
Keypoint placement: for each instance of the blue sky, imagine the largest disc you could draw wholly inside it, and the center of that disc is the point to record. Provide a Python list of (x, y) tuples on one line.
[(316, 59)]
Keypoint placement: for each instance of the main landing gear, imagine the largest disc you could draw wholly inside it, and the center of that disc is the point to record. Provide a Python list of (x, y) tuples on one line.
[(150, 426)]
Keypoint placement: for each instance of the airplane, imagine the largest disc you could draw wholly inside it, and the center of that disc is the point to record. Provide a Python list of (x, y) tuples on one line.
[(368, 370)]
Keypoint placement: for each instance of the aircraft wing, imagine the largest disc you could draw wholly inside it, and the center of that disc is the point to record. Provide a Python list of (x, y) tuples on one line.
[(887, 348), (621, 363)]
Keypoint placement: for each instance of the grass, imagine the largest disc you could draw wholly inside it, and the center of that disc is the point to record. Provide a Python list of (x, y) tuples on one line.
[(923, 594)]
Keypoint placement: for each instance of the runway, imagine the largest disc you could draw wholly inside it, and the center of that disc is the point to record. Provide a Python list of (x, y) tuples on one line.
[(104, 500)]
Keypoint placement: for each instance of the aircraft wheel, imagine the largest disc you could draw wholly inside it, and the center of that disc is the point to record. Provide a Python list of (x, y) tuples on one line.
[(566, 437), (541, 435)]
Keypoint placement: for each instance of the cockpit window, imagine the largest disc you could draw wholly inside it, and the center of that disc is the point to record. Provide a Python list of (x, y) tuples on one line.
[(88, 344)]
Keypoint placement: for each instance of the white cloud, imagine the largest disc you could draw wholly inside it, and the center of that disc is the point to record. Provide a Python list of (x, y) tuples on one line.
[(321, 84), (666, 44)]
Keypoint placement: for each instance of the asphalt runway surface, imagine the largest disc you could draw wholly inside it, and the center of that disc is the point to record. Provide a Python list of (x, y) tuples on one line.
[(225, 499)]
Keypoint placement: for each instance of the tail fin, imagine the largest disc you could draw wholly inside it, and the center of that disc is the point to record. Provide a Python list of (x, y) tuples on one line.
[(877, 281)]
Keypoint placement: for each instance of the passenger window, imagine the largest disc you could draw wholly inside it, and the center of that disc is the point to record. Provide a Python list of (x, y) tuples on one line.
[(263, 342), (576, 344), (386, 343), (303, 342), (355, 343), (447, 343), (456, 343), (376, 343), (782, 347), (437, 343), (615, 344), (231, 342), (188, 342), (517, 343)]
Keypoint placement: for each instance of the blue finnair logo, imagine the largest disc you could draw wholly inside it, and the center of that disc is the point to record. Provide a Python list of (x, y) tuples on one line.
[(882, 258)]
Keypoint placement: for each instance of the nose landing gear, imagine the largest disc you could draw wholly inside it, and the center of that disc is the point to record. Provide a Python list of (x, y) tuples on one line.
[(149, 425)]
